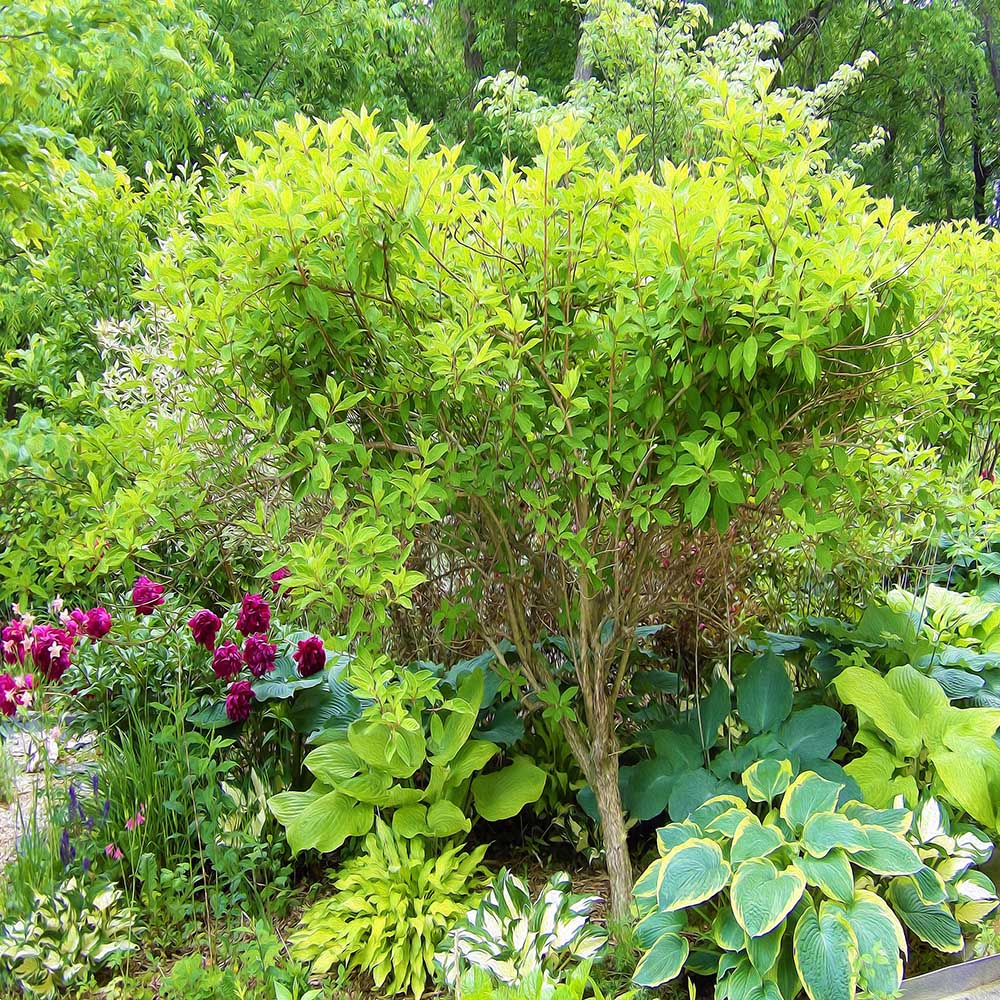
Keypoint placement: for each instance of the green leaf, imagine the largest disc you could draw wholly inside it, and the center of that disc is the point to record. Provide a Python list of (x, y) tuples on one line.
[(327, 822), (372, 740), (832, 873), (410, 821), (662, 962), (826, 954), (445, 819), (873, 771), (825, 831), (871, 695), (473, 757), (763, 950), (333, 762), (967, 783), (766, 779), (505, 793), (727, 931), (808, 794), (921, 694), (889, 854), (764, 695), (690, 874), (881, 944), (931, 922), (753, 840), (762, 897), (811, 733)]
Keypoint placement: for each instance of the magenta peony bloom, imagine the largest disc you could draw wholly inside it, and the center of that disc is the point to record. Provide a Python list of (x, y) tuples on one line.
[(205, 627), (254, 616), (238, 701), (259, 654), (12, 638), (310, 656), (96, 623), (50, 649), (8, 687), (146, 595), (277, 576), (23, 688), (73, 621), (227, 661)]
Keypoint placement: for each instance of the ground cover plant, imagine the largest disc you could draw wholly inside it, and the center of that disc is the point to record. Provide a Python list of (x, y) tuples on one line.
[(456, 458)]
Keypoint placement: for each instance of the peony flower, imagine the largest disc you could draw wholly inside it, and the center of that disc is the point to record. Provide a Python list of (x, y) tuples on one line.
[(277, 576), (205, 627), (13, 638), (227, 661), (23, 690), (73, 621), (50, 649), (96, 623), (254, 616), (238, 701), (310, 656), (259, 654), (146, 595), (8, 687)]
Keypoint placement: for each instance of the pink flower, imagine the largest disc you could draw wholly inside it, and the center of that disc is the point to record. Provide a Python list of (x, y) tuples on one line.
[(113, 852), (205, 627), (50, 649), (227, 661), (146, 595), (310, 656), (24, 686), (13, 637), (986, 474), (259, 654), (97, 623), (254, 616), (8, 687), (277, 576), (137, 820), (73, 621), (238, 701)]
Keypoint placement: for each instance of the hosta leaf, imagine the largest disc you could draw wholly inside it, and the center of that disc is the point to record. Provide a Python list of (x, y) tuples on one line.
[(826, 954), (825, 831), (764, 695), (726, 930), (931, 922), (752, 840), (881, 944), (398, 751), (690, 874), (654, 926), (333, 762), (690, 791), (727, 823), (763, 950), (762, 897), (808, 794), (873, 771), (506, 792), (869, 692), (922, 694), (327, 822), (287, 805), (473, 757), (966, 782), (662, 962), (713, 807), (893, 820), (669, 836), (832, 873), (930, 885), (766, 779), (889, 854), (445, 819), (812, 732)]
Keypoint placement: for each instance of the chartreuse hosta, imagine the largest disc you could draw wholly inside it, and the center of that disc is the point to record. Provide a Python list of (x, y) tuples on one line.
[(788, 892), (410, 756)]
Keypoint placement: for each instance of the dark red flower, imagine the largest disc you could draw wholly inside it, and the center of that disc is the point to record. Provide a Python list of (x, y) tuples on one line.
[(97, 623), (310, 656), (277, 576), (205, 627), (50, 649), (254, 616), (259, 654), (8, 687), (146, 595), (238, 701), (227, 661), (12, 638)]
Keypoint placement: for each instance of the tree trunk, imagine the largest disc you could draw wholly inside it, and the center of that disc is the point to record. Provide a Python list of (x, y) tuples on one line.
[(980, 174), (609, 805), (583, 70)]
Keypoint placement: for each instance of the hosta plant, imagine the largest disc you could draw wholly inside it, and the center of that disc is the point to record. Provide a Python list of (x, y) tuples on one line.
[(395, 902), (70, 934), (510, 936), (953, 850), (916, 740), (789, 891), (411, 754)]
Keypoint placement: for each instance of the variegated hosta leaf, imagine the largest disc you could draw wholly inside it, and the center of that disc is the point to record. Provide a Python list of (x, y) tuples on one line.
[(826, 953), (690, 874), (806, 795), (931, 922), (764, 780), (881, 943), (762, 896)]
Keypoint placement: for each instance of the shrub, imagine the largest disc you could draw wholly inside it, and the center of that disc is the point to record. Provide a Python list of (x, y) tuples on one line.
[(794, 901), (512, 937), (393, 907)]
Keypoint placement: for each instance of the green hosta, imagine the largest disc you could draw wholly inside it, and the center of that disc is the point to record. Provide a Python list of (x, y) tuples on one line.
[(952, 851), (71, 933), (917, 740), (410, 754), (394, 905), (790, 891), (512, 937)]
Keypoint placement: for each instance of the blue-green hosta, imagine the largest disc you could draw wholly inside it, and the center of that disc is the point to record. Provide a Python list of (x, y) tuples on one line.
[(789, 891), (511, 937)]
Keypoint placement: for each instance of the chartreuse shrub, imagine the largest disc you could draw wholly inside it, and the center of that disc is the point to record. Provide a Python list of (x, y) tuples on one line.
[(550, 373), (916, 740), (793, 890), (512, 937), (410, 755), (394, 904)]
